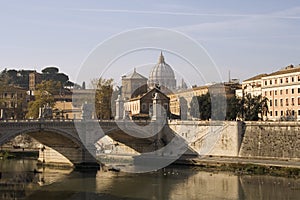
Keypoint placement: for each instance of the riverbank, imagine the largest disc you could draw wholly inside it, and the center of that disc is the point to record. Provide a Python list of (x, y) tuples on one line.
[(238, 165), (286, 168), (19, 153)]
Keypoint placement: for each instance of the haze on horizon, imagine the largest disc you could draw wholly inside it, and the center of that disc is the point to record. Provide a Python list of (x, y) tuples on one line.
[(246, 38)]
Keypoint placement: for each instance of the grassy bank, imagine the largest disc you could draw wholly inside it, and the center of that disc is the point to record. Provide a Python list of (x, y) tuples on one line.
[(248, 169), (5, 154)]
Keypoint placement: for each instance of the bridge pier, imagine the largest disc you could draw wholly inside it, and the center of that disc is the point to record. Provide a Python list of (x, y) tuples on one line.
[(50, 157)]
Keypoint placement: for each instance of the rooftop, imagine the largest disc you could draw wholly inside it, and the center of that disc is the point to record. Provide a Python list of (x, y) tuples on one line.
[(134, 75), (259, 76), (286, 70)]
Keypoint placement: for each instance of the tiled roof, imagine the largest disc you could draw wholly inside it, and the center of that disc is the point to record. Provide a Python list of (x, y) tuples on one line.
[(286, 70), (256, 77), (135, 75)]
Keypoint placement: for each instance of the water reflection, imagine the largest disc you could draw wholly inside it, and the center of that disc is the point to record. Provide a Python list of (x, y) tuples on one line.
[(19, 181)]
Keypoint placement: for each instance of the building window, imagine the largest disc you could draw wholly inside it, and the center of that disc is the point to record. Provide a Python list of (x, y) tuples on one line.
[(280, 92), (293, 101), (276, 113), (286, 79), (275, 92), (271, 113), (281, 113), (287, 91), (298, 90), (298, 101), (298, 78), (293, 113), (287, 102), (292, 90), (144, 107), (281, 102), (275, 102), (292, 79), (150, 106), (275, 81), (270, 102), (266, 83), (281, 80), (266, 93), (298, 112), (270, 93), (166, 106), (270, 82)]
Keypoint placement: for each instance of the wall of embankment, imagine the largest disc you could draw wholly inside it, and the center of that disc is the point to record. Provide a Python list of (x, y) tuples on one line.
[(277, 140), (266, 140)]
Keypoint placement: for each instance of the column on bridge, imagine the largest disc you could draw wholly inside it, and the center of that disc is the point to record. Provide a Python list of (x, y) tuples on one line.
[(159, 113), (119, 108)]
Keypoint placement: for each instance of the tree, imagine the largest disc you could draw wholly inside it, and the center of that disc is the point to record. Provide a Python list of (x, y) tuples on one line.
[(201, 107), (50, 70), (44, 96), (103, 96), (254, 108), (233, 108), (205, 106), (194, 111), (5, 79), (83, 85)]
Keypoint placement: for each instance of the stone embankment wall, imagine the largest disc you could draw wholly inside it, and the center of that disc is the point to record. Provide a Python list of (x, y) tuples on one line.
[(217, 138), (270, 140), (279, 140)]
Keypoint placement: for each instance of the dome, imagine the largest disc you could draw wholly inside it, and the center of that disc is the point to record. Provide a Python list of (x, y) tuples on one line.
[(162, 74)]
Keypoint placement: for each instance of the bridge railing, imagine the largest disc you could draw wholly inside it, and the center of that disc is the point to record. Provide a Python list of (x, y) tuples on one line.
[(68, 120)]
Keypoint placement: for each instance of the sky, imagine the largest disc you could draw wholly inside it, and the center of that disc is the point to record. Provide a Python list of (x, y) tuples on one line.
[(244, 37)]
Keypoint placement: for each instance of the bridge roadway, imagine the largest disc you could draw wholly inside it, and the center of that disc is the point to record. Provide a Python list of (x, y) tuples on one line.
[(75, 139)]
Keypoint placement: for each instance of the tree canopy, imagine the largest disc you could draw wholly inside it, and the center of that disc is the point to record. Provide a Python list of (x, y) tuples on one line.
[(249, 108), (103, 96), (44, 96)]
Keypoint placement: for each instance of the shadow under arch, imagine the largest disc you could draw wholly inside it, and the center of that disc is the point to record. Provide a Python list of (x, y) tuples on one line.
[(65, 143)]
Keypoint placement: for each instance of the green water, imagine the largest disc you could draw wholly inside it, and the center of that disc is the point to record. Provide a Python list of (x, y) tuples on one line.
[(18, 181)]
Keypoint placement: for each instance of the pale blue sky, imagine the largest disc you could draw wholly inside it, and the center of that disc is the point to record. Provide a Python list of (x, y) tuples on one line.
[(245, 37)]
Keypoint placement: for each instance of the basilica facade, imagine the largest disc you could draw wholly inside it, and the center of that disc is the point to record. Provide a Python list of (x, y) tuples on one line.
[(161, 76), (139, 91)]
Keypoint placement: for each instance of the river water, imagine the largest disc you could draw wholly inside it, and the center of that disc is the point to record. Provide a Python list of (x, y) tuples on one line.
[(18, 180)]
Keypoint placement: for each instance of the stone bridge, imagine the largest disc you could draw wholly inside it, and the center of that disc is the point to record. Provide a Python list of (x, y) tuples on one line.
[(75, 139)]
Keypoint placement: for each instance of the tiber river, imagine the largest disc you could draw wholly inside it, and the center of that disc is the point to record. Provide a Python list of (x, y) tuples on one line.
[(18, 181)]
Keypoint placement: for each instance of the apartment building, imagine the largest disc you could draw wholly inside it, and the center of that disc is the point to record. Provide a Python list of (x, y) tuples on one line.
[(282, 88), (252, 86), (13, 102)]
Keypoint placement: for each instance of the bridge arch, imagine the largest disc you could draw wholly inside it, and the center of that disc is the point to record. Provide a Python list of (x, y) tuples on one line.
[(61, 142)]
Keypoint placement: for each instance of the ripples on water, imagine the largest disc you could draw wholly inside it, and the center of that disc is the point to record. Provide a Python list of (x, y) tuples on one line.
[(19, 181)]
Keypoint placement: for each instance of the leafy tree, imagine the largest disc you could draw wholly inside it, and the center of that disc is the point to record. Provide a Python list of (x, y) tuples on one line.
[(201, 107), (253, 108), (18, 78), (44, 96), (50, 70), (233, 108), (205, 106), (4, 78), (103, 96), (248, 108), (83, 85), (194, 110)]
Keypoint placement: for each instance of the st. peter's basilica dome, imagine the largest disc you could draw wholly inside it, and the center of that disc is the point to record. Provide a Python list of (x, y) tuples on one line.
[(162, 74)]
